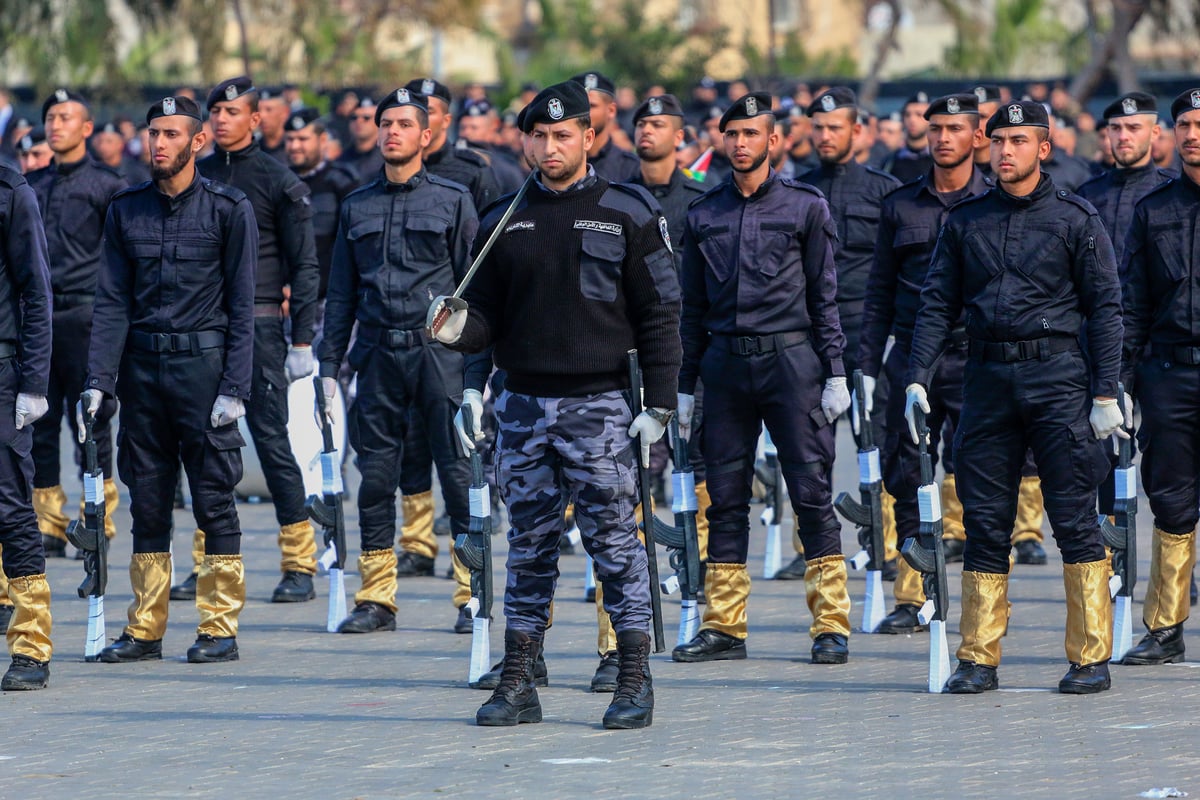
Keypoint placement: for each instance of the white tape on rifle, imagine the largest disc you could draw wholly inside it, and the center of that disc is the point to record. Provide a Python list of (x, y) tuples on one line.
[(481, 502), (331, 473), (93, 489), (868, 466), (683, 493), (929, 502), (1126, 483)]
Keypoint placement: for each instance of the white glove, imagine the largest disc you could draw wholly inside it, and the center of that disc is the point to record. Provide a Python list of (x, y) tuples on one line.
[(834, 399), (687, 407), (649, 430), (473, 401), (299, 363), (30, 408), (1128, 411), (446, 318), (329, 389), (914, 395), (226, 409), (1106, 419), (869, 390), (90, 402)]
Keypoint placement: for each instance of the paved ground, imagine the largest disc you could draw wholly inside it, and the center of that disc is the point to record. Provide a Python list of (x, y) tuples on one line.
[(312, 714)]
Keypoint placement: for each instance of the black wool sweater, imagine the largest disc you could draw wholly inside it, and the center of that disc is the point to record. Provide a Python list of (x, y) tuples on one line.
[(575, 280)]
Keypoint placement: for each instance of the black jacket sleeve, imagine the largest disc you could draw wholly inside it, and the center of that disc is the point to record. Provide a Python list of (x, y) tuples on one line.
[(341, 301), (26, 256), (238, 267), (299, 250)]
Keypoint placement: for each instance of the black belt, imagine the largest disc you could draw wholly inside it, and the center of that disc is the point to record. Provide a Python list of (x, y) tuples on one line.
[(176, 342), (754, 345), (65, 300), (1025, 350), (958, 339), (7, 349), (1181, 354), (392, 338), (268, 310)]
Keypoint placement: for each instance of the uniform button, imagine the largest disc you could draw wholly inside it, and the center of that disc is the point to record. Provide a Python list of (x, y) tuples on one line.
[(95, 381), (1062, 192)]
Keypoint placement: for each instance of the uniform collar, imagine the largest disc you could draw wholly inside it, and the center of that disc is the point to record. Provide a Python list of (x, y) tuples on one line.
[(762, 189), (407, 186), (1127, 174), (439, 155), (838, 170), (978, 184), (67, 169), (179, 199), (661, 189), (1044, 188), (245, 152), (579, 185)]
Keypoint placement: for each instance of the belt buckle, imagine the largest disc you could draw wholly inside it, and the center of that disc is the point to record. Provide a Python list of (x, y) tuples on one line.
[(397, 338), (747, 345), (1011, 350), (161, 342)]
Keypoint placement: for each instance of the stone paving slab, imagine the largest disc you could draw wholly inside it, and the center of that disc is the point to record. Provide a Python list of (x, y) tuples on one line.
[(389, 715)]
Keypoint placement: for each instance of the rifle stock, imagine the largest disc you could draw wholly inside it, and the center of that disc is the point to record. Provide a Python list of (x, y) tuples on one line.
[(327, 512), (867, 513), (474, 549), (89, 537)]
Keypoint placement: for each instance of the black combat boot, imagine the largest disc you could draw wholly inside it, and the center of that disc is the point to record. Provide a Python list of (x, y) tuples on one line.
[(54, 547), (605, 679), (830, 648), (710, 645), (1086, 680), (491, 678), (368, 617), (891, 568), (6, 612), (296, 587), (972, 678), (213, 648), (466, 620), (793, 571), (515, 699), (633, 702), (952, 549), (1031, 551), (126, 648), (413, 565), (185, 590), (1163, 646), (25, 674), (902, 620)]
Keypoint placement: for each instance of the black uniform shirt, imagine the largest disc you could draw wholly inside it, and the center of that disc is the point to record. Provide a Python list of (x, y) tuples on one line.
[(74, 202), (329, 184), (1067, 172), (909, 222), (759, 265), (24, 282), (614, 164), (399, 245), (287, 253), (1023, 268), (674, 197), (366, 164), (907, 164), (855, 194), (1115, 193), (467, 167), (1161, 270), (180, 264)]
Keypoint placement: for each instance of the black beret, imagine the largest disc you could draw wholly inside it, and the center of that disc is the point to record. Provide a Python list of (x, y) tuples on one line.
[(658, 105), (865, 116), (1018, 114), (566, 100), (715, 112), (36, 135), (301, 118), (706, 83), (510, 118), (833, 99), (476, 108), (430, 88), (1188, 101), (63, 96), (228, 90), (108, 127), (896, 116), (747, 106), (270, 93), (953, 104), (398, 98), (366, 101), (986, 93), (595, 82), (1130, 104), (919, 97), (530, 86), (173, 106)]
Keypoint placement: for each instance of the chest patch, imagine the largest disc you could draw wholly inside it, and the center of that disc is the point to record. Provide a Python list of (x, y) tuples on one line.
[(523, 225), (613, 228)]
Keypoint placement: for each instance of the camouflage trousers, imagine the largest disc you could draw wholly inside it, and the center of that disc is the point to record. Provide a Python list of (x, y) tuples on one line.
[(557, 450)]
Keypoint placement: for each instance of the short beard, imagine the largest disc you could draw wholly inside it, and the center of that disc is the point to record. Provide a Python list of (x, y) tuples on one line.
[(755, 164), (957, 162), (1019, 176), (567, 169), (1136, 158), (653, 157), (838, 157), (173, 168), (399, 161)]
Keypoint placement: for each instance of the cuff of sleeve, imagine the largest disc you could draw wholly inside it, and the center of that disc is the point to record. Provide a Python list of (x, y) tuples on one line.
[(328, 369), (918, 375), (302, 337), (104, 384), (1105, 388), (687, 383), (229, 388), (835, 368)]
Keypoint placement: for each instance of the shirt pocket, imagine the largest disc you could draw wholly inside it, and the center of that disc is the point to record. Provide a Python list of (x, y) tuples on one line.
[(862, 223), (600, 266), (777, 237), (365, 237), (1169, 259), (425, 240), (1045, 257), (197, 261), (716, 244)]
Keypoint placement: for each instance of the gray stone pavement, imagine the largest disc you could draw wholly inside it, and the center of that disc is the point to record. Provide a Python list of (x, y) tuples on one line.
[(311, 714)]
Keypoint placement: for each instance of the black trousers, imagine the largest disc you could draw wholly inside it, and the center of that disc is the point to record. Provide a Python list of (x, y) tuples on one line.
[(1169, 394), (68, 371), (1009, 408), (19, 535), (394, 386), (166, 401), (267, 419), (781, 389)]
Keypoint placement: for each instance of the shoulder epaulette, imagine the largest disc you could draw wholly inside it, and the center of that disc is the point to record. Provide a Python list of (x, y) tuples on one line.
[(708, 191), (134, 189), (497, 207), (795, 183), (11, 178), (889, 177), (693, 185), (1162, 187), (100, 165), (362, 188), (224, 189), (646, 204), (915, 183), (1076, 200), (472, 156), (971, 198), (449, 184)]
